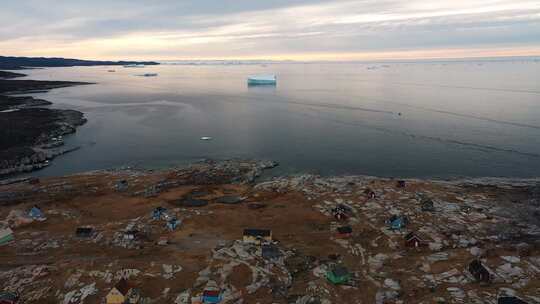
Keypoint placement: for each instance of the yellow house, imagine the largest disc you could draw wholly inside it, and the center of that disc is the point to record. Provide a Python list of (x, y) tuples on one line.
[(115, 296), (122, 293), (257, 235)]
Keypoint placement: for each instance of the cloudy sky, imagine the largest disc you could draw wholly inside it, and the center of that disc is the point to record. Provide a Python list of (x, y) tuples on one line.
[(298, 30)]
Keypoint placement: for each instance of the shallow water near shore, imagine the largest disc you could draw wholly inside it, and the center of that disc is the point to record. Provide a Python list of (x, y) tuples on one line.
[(440, 119)]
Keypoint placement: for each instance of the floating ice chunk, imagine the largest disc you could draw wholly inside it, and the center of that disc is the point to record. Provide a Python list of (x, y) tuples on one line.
[(262, 79)]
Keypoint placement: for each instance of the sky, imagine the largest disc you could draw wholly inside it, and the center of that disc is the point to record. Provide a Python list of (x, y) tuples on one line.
[(278, 30)]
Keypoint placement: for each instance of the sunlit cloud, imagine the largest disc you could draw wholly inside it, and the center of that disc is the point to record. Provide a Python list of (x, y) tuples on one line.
[(301, 30)]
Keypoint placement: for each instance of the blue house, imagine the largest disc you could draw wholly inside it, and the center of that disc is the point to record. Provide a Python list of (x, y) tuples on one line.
[(397, 222), (158, 213), (173, 223), (211, 296), (36, 213)]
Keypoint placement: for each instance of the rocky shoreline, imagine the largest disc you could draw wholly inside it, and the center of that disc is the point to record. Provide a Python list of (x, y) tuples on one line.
[(31, 136)]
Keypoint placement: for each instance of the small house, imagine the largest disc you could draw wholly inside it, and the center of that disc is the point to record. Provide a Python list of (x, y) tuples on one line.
[(84, 232), (415, 241), (121, 185), (6, 236), (428, 206), (163, 241), (369, 193), (123, 293), (397, 222), (211, 296), (344, 232), (131, 235), (466, 209), (510, 300), (35, 213), (344, 208), (270, 252), (173, 223), (9, 297), (401, 184), (158, 213), (257, 236), (342, 212), (338, 274), (340, 215), (479, 272)]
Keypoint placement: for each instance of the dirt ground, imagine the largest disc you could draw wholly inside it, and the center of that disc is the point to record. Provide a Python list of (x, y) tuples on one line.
[(295, 221)]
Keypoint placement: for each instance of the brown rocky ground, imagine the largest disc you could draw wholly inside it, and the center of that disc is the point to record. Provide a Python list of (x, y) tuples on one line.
[(47, 264)]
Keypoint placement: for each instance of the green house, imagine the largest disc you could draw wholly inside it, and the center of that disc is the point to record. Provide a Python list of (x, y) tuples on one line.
[(6, 236), (338, 275)]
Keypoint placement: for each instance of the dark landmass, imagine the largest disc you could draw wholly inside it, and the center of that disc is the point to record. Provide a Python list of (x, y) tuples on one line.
[(20, 102), (32, 126), (31, 136), (28, 86), (9, 75), (18, 63)]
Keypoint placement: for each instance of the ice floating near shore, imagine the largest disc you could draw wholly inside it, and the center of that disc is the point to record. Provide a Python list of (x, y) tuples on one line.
[(206, 138), (262, 80), (134, 66)]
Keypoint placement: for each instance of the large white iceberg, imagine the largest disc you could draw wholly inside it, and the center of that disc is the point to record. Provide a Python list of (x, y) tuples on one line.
[(262, 79)]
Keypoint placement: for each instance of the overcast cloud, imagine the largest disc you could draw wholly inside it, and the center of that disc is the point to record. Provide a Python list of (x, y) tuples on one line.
[(329, 30)]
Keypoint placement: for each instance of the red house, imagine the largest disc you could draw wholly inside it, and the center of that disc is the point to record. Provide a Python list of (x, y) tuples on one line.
[(9, 298), (344, 232), (414, 241)]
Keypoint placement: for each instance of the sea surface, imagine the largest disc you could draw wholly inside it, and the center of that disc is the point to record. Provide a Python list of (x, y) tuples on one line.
[(409, 119)]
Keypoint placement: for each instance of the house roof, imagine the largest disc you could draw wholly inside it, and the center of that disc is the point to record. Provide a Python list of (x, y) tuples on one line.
[(257, 232), (84, 230), (35, 209), (476, 265), (123, 286), (411, 236), (340, 271), (397, 220), (5, 232), (510, 300), (270, 251), (8, 296), (211, 293), (344, 208), (344, 229)]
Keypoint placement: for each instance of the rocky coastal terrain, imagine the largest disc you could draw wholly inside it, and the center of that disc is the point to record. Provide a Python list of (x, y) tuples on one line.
[(213, 231), (30, 136), (17, 63)]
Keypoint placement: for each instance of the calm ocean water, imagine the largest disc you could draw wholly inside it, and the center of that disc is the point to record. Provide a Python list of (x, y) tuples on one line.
[(396, 119)]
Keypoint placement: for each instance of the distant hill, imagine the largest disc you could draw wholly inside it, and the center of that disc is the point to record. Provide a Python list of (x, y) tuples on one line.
[(17, 63)]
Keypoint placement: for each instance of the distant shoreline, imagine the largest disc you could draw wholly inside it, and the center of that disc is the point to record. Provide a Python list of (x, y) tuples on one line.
[(20, 63)]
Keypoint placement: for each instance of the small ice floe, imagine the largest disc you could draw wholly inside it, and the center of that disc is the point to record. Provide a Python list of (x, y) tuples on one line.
[(206, 138), (148, 75), (262, 80)]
